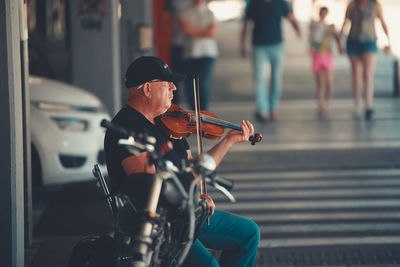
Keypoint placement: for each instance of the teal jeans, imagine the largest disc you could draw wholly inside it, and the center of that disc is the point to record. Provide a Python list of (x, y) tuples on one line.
[(236, 236), (268, 95)]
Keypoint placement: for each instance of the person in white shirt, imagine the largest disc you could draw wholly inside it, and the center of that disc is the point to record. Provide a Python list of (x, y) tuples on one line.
[(172, 9), (199, 24)]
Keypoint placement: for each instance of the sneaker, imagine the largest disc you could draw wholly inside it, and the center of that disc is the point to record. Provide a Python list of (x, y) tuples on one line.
[(260, 117), (369, 114)]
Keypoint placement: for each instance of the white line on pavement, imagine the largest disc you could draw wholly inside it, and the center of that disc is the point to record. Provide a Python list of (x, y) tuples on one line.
[(308, 205), (301, 242), (311, 174)]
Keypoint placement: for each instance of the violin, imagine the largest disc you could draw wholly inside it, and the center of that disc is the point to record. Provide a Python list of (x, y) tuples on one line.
[(178, 123)]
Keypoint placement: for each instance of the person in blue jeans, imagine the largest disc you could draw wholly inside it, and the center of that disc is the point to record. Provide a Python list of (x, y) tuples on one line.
[(268, 48), (151, 85)]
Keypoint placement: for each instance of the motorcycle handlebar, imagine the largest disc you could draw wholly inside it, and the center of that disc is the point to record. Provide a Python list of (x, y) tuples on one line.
[(113, 127), (227, 183)]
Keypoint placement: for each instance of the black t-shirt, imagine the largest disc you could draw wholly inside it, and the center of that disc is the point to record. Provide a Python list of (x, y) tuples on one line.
[(132, 120), (266, 16)]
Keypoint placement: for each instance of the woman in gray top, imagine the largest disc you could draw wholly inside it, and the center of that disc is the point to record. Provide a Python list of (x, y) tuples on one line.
[(361, 49)]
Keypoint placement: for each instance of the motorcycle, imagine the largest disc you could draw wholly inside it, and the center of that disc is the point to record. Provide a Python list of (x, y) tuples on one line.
[(160, 231)]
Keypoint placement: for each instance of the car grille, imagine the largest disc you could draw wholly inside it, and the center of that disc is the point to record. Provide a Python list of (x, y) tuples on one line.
[(72, 161)]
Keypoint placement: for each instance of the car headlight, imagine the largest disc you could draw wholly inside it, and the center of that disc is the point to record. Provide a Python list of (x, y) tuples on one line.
[(65, 107), (52, 106), (71, 124)]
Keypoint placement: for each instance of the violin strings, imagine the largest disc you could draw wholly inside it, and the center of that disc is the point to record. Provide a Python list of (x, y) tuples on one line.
[(219, 122)]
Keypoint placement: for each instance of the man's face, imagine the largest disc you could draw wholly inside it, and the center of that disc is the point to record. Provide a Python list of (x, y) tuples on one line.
[(161, 94)]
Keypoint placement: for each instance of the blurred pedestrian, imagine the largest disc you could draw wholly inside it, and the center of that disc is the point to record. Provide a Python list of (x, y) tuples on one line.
[(199, 24), (268, 48), (174, 8), (362, 49), (321, 36)]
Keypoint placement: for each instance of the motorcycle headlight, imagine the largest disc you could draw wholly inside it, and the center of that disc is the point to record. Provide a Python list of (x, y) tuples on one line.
[(66, 107), (71, 124)]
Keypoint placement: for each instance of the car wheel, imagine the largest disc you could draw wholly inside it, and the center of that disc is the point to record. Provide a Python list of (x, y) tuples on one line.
[(36, 168)]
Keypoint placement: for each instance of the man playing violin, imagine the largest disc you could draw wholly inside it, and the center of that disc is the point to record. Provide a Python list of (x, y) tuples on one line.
[(151, 86)]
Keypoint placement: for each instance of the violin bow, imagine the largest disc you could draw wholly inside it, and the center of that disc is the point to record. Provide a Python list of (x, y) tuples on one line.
[(197, 114), (196, 93)]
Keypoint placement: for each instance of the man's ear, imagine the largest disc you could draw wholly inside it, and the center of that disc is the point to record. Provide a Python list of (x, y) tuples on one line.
[(147, 90)]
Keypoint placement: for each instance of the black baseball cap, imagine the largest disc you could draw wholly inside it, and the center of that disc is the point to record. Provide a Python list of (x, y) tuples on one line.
[(148, 68)]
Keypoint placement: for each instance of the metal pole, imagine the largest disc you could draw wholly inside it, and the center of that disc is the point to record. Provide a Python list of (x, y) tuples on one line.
[(26, 123)]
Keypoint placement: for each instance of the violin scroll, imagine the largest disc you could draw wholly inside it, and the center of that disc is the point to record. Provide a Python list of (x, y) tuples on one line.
[(257, 137)]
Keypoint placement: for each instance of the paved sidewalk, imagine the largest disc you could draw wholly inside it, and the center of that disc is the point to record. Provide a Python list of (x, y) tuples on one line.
[(338, 256), (331, 142)]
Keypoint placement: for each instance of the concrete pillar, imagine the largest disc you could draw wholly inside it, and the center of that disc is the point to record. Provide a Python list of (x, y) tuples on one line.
[(136, 32), (95, 57), (11, 138)]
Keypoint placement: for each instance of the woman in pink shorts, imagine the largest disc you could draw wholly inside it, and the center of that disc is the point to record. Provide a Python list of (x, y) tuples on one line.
[(321, 36)]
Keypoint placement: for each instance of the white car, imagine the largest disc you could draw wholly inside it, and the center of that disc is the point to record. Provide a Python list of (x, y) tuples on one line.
[(67, 139)]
